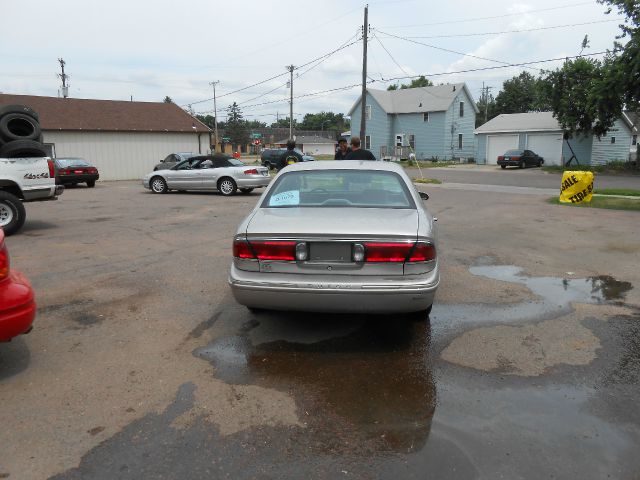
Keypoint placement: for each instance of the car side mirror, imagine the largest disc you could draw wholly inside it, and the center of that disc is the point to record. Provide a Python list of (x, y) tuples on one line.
[(424, 195)]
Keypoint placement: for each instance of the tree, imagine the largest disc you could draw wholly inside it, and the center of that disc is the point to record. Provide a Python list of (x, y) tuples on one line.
[(284, 123), (236, 127), (167, 99), (324, 121), (487, 107), (419, 82), (208, 120), (521, 94)]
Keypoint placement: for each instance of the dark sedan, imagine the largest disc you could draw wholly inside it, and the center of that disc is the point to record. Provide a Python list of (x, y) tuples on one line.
[(520, 159), (71, 171)]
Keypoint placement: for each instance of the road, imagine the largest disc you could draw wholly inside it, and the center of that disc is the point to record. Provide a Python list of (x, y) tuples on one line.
[(529, 177), (141, 365)]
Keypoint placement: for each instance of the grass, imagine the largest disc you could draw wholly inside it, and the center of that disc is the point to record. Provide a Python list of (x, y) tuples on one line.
[(611, 203), (625, 192), (627, 168), (427, 164), (426, 180)]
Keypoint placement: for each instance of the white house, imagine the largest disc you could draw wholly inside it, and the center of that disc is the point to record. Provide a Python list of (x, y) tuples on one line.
[(123, 139)]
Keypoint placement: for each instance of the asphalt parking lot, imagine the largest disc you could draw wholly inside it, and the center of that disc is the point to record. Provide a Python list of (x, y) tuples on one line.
[(141, 365)]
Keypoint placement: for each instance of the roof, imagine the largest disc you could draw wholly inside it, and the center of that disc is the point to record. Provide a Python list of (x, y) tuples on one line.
[(309, 139), (417, 100), (529, 122), (107, 115), (634, 118)]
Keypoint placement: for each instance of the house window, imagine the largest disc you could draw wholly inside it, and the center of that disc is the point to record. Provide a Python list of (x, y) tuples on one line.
[(634, 140), (367, 111), (412, 142), (613, 139), (462, 109), (460, 141), (367, 142), (425, 117)]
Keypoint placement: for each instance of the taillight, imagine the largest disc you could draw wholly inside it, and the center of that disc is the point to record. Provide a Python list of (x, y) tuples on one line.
[(4, 258), (500, 157), (253, 171), (93, 170), (265, 250), (52, 168), (399, 252)]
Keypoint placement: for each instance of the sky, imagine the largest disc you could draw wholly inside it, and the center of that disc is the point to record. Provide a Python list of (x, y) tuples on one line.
[(145, 50)]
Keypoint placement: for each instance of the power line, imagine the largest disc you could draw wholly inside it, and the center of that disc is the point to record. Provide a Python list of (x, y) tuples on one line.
[(517, 31), (489, 18), (271, 78), (445, 49)]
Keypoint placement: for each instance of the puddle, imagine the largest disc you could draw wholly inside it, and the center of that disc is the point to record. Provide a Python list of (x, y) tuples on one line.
[(554, 298), (369, 385)]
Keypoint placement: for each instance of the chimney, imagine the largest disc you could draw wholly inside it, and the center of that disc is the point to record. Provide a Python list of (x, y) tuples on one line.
[(454, 88)]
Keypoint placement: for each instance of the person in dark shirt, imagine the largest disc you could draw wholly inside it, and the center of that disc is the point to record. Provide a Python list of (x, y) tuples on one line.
[(358, 153), (343, 150), (289, 156)]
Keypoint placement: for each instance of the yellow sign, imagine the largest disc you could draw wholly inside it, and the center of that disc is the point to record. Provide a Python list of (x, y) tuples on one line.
[(577, 187)]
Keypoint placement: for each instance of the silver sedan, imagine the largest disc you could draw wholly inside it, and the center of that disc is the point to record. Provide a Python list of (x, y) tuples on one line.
[(206, 172), (348, 236)]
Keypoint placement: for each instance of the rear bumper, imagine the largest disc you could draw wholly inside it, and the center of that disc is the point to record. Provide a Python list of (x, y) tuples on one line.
[(338, 294), (509, 163), (18, 307), (71, 179), (253, 182)]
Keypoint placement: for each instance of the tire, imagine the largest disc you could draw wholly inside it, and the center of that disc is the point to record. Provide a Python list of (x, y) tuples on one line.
[(12, 213), (246, 190), (19, 109), (22, 149), (18, 126), (158, 185), (503, 166), (91, 184), (227, 186)]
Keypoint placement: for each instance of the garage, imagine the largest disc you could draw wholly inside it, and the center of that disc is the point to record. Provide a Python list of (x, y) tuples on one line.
[(498, 144), (547, 145)]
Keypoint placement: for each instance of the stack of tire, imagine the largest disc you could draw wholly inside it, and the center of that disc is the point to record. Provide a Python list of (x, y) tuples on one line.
[(20, 132)]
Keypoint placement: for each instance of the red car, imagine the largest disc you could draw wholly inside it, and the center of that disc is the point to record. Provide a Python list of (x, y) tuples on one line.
[(17, 304)]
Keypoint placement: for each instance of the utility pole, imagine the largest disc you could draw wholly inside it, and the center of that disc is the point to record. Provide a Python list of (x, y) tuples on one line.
[(63, 76), (291, 68), (215, 116), (363, 109), (485, 96)]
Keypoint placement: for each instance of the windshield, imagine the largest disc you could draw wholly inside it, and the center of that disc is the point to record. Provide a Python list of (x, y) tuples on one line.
[(514, 152), (339, 188), (68, 162)]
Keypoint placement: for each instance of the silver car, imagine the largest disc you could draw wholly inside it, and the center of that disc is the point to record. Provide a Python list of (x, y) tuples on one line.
[(206, 172), (347, 236)]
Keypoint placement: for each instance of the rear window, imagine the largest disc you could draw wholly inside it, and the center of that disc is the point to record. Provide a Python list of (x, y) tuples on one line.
[(68, 162), (339, 188), (514, 152)]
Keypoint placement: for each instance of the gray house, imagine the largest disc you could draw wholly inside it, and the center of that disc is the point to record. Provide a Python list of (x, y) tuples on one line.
[(431, 122), (541, 132)]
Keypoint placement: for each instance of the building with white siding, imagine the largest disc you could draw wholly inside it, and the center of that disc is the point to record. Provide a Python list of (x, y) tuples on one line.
[(541, 133), (124, 140)]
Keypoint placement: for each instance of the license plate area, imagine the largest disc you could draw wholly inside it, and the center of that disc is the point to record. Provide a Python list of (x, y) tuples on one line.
[(334, 252)]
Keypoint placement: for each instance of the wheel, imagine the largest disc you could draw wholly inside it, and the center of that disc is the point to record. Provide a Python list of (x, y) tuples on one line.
[(91, 184), (227, 186), (521, 164), (503, 166), (12, 213), (246, 190), (19, 126), (19, 109), (22, 149), (158, 185)]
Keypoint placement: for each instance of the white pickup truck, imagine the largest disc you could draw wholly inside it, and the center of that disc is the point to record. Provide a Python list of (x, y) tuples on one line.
[(24, 180)]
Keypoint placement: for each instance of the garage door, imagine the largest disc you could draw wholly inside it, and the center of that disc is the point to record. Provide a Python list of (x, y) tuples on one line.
[(548, 146), (498, 144)]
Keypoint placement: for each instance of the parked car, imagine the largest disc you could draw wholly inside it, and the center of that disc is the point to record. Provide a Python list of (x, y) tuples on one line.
[(173, 159), (270, 156), (71, 171), (17, 304), (520, 158), (208, 172), (346, 236)]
